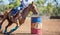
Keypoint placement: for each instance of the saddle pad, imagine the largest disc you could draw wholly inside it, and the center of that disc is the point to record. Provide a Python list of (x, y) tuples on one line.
[(13, 12)]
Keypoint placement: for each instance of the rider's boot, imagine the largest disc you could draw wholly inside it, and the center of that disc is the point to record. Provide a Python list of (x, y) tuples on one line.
[(12, 18)]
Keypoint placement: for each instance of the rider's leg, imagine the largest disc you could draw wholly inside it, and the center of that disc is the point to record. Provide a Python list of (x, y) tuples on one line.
[(12, 18)]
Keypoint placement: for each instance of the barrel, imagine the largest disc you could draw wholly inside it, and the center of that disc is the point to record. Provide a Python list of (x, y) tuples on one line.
[(36, 25)]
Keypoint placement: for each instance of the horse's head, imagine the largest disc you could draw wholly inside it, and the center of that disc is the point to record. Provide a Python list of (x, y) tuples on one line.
[(33, 8)]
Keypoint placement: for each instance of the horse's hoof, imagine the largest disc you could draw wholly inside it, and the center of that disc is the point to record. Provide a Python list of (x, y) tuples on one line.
[(6, 33), (0, 27)]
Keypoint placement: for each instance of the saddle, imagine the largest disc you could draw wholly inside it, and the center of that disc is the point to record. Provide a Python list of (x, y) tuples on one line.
[(14, 12)]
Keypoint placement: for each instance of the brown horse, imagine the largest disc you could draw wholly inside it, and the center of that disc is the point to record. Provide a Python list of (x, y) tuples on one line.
[(21, 16)]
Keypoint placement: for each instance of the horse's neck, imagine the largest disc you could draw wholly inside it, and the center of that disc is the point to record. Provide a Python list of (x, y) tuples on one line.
[(25, 13)]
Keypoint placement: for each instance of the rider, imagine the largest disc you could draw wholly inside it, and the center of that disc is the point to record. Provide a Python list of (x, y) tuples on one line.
[(24, 4)]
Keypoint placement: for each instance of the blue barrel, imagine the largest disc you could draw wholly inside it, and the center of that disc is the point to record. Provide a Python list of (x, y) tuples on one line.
[(34, 25), (36, 19)]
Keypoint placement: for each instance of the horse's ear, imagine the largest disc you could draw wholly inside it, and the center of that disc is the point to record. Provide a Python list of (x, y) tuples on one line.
[(32, 2)]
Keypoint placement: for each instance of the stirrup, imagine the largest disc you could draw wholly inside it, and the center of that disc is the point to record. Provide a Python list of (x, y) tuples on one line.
[(10, 17)]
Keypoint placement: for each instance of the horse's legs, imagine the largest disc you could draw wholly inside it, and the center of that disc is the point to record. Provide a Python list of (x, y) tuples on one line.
[(2, 23), (9, 24), (21, 21), (14, 28)]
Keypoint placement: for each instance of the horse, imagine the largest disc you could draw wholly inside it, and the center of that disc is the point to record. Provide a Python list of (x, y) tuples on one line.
[(21, 16)]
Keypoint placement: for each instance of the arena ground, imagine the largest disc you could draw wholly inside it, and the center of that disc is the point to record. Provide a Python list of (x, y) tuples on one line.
[(49, 27)]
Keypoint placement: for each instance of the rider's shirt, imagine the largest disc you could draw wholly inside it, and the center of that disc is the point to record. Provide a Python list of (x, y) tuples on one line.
[(24, 4)]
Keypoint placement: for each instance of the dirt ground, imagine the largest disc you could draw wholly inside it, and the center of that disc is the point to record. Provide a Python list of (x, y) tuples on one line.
[(49, 27)]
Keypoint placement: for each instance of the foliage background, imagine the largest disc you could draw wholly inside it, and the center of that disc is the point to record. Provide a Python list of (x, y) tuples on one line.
[(44, 7)]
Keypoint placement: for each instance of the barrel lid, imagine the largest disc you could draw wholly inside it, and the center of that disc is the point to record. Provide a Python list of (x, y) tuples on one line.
[(37, 19)]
